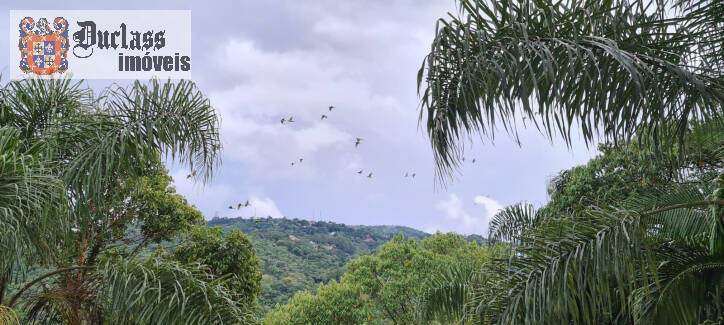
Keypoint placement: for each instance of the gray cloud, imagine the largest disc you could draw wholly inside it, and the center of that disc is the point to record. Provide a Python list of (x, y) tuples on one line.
[(260, 61)]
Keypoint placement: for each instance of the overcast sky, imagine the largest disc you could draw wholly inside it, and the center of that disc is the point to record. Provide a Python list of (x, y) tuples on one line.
[(260, 61)]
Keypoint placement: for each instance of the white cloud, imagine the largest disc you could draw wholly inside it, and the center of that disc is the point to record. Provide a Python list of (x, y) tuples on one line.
[(459, 220), (218, 197), (491, 206), (264, 207)]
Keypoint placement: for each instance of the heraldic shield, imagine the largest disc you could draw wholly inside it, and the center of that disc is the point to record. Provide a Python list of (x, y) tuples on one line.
[(43, 51)]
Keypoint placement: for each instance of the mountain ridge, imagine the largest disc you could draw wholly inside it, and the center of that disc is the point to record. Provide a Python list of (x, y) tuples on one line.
[(299, 254)]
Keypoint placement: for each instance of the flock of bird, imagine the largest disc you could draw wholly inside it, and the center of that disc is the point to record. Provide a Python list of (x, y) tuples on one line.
[(290, 119), (240, 205), (357, 142)]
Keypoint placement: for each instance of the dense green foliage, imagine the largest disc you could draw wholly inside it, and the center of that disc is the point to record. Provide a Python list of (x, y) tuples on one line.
[(387, 287), (634, 236), (611, 177), (619, 173), (83, 195), (333, 303), (633, 255), (226, 255), (93, 232), (299, 255)]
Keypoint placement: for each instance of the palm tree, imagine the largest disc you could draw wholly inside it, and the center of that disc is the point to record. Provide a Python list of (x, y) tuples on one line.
[(28, 192), (609, 69), (658, 260), (65, 156), (620, 71), (653, 261)]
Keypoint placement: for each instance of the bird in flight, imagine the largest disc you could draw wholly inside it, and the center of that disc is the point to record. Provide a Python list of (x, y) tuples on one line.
[(357, 141), (246, 204), (473, 161), (413, 175), (369, 176), (283, 120), (331, 108), (292, 163), (193, 173), (407, 175), (360, 171), (231, 208), (323, 117), (291, 119), (301, 159)]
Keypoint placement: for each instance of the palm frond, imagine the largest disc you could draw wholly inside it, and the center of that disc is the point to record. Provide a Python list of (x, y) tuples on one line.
[(28, 193), (553, 279), (584, 270), (613, 69), (32, 105), (689, 286), (450, 299), (58, 306), (165, 292), (8, 316), (690, 226), (133, 126), (510, 223)]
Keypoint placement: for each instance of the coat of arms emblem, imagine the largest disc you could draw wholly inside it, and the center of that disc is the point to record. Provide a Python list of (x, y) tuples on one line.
[(43, 47)]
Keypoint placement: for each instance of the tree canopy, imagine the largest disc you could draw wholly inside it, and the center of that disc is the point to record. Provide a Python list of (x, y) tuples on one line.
[(634, 236), (387, 287), (84, 194)]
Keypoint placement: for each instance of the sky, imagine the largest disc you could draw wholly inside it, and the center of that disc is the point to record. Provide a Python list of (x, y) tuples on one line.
[(260, 61)]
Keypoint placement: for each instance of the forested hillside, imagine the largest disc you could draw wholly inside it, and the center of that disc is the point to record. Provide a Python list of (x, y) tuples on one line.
[(387, 287), (299, 254)]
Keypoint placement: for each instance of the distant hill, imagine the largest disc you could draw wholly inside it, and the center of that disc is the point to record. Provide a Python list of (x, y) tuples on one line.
[(299, 254)]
